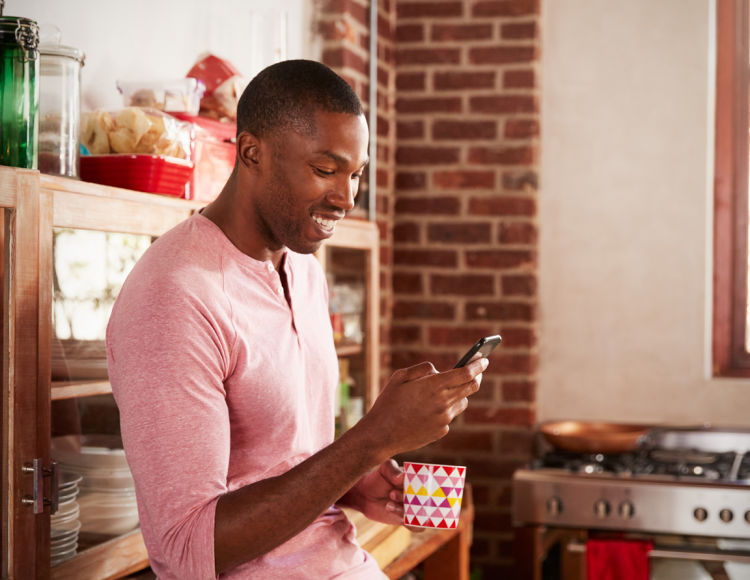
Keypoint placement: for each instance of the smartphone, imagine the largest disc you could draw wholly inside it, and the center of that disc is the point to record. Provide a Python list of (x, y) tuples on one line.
[(483, 346)]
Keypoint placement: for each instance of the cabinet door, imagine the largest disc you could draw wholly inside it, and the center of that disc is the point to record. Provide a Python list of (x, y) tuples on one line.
[(26, 368)]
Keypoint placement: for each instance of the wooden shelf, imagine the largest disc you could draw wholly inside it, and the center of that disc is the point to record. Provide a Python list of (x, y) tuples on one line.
[(348, 349), (112, 559), (73, 389)]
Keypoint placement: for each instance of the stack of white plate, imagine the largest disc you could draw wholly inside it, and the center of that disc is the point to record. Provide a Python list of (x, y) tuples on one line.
[(64, 523), (107, 491)]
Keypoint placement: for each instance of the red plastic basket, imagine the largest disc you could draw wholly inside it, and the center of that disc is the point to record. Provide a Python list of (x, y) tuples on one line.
[(149, 173)]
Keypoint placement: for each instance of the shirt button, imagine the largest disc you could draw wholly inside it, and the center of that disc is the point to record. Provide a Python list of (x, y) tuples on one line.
[(269, 267), (280, 290)]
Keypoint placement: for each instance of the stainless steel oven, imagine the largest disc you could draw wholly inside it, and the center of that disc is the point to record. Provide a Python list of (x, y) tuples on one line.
[(684, 492)]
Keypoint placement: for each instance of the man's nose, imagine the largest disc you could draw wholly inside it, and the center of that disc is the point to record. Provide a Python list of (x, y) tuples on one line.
[(344, 194)]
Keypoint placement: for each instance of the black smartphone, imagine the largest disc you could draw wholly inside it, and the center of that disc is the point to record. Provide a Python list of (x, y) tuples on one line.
[(483, 346)]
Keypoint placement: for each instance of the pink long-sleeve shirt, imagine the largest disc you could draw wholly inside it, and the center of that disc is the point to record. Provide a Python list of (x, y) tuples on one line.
[(221, 382)]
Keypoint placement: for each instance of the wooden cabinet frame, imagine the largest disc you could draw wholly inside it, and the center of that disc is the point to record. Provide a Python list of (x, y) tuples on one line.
[(33, 205)]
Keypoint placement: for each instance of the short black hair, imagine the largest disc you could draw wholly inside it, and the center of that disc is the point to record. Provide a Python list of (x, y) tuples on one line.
[(287, 95)]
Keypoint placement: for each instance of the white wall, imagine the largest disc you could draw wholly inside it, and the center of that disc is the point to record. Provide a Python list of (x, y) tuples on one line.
[(162, 39), (625, 214)]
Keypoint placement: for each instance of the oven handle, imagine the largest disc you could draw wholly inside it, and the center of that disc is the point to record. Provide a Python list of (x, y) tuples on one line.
[(680, 554)]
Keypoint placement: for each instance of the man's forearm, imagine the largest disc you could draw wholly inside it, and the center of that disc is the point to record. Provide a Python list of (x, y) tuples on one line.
[(290, 502)]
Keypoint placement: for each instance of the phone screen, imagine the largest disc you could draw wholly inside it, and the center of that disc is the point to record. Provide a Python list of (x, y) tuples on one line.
[(484, 346)]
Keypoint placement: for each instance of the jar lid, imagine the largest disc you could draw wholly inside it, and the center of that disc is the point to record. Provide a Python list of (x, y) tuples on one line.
[(21, 31), (62, 50)]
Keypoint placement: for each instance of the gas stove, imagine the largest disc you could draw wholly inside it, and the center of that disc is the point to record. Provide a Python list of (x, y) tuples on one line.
[(694, 482)]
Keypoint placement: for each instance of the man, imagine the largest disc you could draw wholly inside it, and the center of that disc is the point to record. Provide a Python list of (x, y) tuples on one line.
[(223, 366)]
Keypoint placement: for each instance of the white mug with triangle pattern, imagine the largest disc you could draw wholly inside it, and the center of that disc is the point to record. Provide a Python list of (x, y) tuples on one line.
[(432, 494)]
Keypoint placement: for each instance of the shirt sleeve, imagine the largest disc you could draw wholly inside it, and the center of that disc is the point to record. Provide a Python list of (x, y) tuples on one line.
[(168, 354)]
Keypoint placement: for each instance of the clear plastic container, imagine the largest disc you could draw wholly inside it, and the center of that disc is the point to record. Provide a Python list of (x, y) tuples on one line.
[(59, 109), (19, 92)]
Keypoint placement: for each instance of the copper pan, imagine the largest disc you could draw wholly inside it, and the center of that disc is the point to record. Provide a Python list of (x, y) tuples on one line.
[(594, 437)]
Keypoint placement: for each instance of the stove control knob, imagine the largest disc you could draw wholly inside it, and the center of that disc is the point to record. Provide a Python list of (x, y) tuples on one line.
[(554, 506), (626, 510), (601, 508), (700, 514), (747, 516), (726, 515)]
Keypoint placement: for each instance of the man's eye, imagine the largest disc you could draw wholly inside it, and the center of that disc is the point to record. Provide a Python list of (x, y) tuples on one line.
[(322, 171)]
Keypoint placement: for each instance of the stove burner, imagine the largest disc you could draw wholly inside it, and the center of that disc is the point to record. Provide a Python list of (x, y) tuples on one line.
[(684, 456), (689, 464)]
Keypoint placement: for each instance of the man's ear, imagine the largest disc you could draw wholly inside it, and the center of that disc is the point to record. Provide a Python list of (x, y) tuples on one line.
[(248, 150)]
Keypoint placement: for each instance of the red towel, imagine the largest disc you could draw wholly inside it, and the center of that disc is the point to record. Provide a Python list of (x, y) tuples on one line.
[(617, 560)]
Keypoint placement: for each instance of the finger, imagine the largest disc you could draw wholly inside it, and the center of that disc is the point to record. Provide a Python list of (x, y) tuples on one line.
[(396, 496), (415, 372), (392, 473)]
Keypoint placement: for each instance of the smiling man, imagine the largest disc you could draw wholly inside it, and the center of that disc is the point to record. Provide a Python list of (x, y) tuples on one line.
[(223, 366)]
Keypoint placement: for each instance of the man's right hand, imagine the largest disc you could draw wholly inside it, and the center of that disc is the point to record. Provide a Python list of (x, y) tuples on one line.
[(418, 404)]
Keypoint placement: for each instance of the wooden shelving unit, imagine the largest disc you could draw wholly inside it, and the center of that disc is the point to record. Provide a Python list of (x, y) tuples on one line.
[(33, 205)]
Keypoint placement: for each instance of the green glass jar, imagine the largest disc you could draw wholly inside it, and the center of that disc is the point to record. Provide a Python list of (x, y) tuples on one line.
[(19, 92)]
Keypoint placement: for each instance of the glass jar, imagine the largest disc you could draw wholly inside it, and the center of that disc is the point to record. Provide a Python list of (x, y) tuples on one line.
[(59, 109), (19, 93)]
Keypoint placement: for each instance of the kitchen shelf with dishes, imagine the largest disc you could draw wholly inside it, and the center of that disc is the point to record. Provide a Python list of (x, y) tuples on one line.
[(41, 376)]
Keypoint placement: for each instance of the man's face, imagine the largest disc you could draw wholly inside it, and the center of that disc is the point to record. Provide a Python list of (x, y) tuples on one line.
[(311, 181)]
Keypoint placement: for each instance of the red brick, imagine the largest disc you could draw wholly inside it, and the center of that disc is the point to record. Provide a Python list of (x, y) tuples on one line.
[(407, 283), (500, 258), (462, 440), (460, 130), (517, 233), (498, 468), (404, 309), (427, 205), (407, 56), (406, 232), (449, 32), (433, 258), (518, 30), (520, 181), (523, 155), (464, 179), (519, 79), (405, 334), (460, 80), (502, 54), (459, 233), (518, 337), (503, 311), (428, 9), (410, 33), (410, 180), (506, 8), (502, 104), (521, 128), (463, 336), (503, 206), (462, 284), (428, 105), (518, 391), (498, 416), (410, 129), (410, 81), (342, 57), (426, 155), (504, 363), (521, 285)]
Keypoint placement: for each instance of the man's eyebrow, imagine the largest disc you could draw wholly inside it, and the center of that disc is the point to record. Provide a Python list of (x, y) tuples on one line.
[(340, 159)]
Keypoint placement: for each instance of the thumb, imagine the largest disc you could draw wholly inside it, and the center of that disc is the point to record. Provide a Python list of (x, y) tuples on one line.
[(392, 473)]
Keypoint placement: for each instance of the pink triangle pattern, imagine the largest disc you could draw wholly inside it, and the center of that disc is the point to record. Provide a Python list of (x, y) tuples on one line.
[(432, 494)]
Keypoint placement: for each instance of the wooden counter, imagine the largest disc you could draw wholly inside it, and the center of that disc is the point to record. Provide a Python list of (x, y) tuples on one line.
[(397, 549)]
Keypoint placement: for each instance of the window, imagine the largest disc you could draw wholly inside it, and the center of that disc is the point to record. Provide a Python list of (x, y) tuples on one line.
[(731, 328)]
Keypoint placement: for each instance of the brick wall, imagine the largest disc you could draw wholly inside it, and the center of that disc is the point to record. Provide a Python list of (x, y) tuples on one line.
[(465, 230), (343, 28), (457, 206)]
